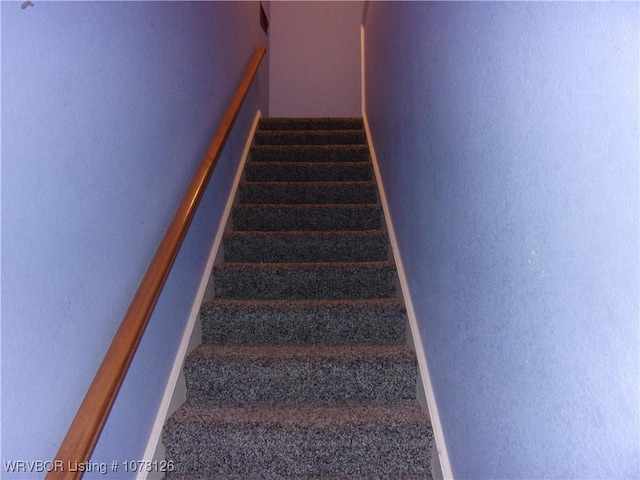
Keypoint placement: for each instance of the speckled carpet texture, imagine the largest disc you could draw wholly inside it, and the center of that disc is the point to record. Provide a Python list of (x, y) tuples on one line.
[(304, 371)]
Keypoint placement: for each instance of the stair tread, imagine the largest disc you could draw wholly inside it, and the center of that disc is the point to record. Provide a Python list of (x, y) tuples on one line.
[(310, 137), (375, 441), (300, 375), (327, 147), (307, 217), (382, 264), (308, 192), (402, 414), (309, 131), (312, 246), (219, 354), (317, 123), (307, 164), (303, 322), (314, 206), (312, 147), (310, 153), (308, 234), (321, 183), (308, 171), (305, 280), (284, 304)]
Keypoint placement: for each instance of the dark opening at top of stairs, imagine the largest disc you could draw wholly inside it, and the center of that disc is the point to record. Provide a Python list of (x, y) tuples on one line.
[(304, 371)]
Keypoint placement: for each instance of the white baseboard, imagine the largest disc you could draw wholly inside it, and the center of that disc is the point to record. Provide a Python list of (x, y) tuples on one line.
[(175, 391), (425, 380)]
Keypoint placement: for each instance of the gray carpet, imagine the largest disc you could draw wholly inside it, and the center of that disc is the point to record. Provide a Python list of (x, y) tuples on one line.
[(303, 372)]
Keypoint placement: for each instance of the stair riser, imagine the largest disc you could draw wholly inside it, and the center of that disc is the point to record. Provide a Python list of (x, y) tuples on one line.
[(310, 153), (275, 249), (261, 218), (230, 325), (308, 172), (311, 124), (391, 441), (295, 457), (310, 137), (301, 283), (300, 193), (240, 382)]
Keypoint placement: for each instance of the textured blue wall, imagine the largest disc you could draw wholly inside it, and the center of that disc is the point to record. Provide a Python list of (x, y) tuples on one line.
[(107, 109), (507, 135)]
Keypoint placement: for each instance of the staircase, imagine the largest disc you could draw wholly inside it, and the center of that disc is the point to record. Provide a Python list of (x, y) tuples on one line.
[(304, 370)]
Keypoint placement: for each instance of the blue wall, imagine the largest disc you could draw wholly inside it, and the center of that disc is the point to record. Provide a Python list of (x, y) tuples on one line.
[(507, 136), (107, 109)]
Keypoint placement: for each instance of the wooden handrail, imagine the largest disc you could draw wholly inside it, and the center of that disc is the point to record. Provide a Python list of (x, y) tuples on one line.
[(83, 434)]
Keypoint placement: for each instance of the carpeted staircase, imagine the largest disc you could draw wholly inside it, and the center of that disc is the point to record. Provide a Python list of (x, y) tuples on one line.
[(304, 370)]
